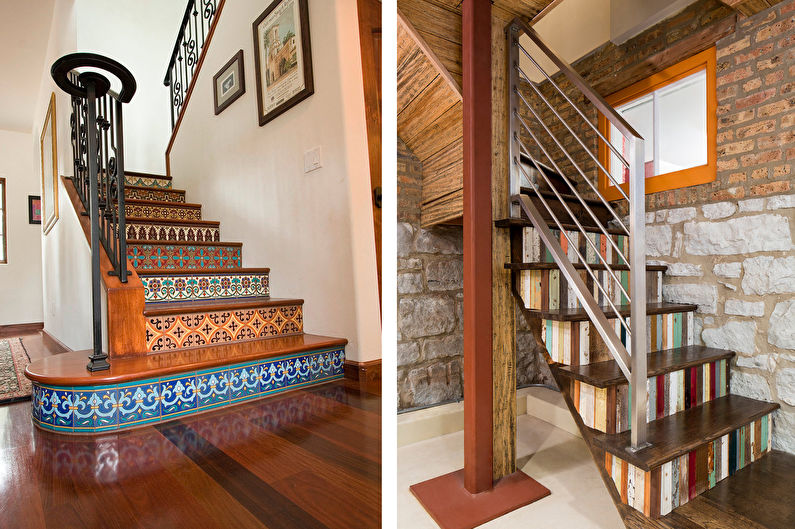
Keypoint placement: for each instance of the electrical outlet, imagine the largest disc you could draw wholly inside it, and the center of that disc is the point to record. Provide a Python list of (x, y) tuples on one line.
[(313, 160)]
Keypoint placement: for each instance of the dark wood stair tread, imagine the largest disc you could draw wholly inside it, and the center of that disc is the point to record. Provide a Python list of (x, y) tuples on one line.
[(624, 310), (69, 369), (167, 203), (175, 222), (147, 175), (183, 243), (579, 266), (678, 434), (212, 305), (529, 191), (514, 222), (191, 272), (604, 374), (168, 190)]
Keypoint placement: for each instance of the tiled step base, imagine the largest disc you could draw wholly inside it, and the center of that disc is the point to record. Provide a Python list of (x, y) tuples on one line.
[(163, 211), (195, 286), (657, 492), (153, 193), (669, 393), (549, 290), (157, 255), (162, 231), (143, 180), (226, 325), (535, 251), (576, 343), (102, 408)]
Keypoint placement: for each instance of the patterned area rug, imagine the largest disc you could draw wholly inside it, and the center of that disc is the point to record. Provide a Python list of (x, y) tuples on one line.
[(13, 360)]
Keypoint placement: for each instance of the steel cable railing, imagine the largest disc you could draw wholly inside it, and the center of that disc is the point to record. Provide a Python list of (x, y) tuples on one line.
[(630, 353)]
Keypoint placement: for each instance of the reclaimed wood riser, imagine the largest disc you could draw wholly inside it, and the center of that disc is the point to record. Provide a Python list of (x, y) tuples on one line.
[(183, 331), (154, 193), (165, 212), (577, 343), (174, 233), (147, 181), (657, 492), (144, 256), (608, 409), (549, 290), (535, 251), (161, 288), (113, 407)]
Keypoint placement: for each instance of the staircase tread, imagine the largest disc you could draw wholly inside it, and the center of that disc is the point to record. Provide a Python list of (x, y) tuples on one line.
[(168, 190), (176, 222), (529, 191), (183, 307), (604, 374), (69, 369), (191, 272), (183, 243), (148, 175), (578, 266), (624, 310), (512, 222), (678, 434), (162, 203)]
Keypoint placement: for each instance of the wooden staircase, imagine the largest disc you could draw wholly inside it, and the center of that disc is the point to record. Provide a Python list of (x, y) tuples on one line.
[(698, 433)]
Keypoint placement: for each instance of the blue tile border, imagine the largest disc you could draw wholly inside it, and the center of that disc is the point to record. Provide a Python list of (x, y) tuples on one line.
[(94, 409)]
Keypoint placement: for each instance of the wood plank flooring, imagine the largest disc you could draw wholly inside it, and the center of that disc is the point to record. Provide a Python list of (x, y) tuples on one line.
[(306, 459)]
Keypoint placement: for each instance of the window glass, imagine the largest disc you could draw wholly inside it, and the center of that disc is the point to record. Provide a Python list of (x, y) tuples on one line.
[(682, 124)]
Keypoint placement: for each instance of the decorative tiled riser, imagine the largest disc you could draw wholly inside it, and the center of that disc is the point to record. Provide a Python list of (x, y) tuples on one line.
[(123, 406), (191, 287), (172, 257), (158, 232), (535, 250), (165, 195), (191, 330), (574, 343), (658, 492), (149, 211), (669, 393), (143, 181), (549, 290)]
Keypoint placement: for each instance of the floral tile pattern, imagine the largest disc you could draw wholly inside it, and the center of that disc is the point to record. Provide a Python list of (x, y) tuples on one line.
[(191, 287), (165, 195), (180, 256), (145, 181), (154, 211), (173, 232), (191, 330), (117, 407)]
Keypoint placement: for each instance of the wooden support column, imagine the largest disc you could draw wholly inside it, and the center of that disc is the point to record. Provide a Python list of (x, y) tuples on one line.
[(488, 485)]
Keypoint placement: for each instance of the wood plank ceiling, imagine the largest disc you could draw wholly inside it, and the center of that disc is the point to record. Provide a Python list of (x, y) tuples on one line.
[(429, 81), (750, 7)]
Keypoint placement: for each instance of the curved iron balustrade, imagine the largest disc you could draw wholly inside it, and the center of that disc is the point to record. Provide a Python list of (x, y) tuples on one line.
[(97, 138)]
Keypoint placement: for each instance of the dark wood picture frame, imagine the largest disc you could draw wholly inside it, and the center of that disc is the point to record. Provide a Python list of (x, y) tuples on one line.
[(31, 200), (238, 58), (306, 53)]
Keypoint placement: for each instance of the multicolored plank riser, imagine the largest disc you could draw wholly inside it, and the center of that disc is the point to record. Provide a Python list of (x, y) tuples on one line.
[(573, 342), (162, 211), (549, 290), (181, 331), (147, 256), (147, 181), (151, 193), (94, 409), (657, 492), (668, 393), (535, 251), (172, 232), (161, 288)]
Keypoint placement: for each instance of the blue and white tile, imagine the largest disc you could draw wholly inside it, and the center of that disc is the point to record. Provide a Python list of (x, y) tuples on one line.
[(139, 403), (212, 388), (177, 395)]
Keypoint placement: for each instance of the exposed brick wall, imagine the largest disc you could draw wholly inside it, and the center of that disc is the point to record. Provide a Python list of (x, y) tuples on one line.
[(731, 239)]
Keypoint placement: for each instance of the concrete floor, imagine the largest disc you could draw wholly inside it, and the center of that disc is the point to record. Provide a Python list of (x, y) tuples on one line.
[(557, 459)]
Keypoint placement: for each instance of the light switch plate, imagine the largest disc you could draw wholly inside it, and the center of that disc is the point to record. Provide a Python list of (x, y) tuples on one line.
[(313, 159)]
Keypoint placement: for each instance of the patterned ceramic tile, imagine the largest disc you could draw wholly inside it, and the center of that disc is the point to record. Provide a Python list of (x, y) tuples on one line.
[(149, 193), (96, 409), (190, 287), (191, 330), (143, 181), (153, 211), (187, 257), (172, 232)]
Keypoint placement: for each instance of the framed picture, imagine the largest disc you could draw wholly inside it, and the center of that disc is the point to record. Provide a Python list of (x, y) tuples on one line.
[(283, 57), (49, 169), (229, 83), (34, 209)]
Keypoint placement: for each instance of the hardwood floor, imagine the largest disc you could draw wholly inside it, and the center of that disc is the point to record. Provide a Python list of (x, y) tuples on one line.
[(306, 459)]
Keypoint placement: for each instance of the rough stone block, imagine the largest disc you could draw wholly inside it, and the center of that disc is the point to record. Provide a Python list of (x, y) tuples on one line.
[(750, 385), (769, 275), (426, 316), (705, 296), (785, 385), (738, 307), (719, 210), (408, 353), (734, 335), (781, 202), (782, 325), (684, 270), (409, 283), (440, 240), (658, 240), (444, 347), (446, 274), (405, 233), (730, 270), (760, 233), (680, 215), (752, 204)]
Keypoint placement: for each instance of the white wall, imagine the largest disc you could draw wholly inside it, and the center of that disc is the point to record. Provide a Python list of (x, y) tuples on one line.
[(314, 230), (20, 279), (630, 17), (140, 34)]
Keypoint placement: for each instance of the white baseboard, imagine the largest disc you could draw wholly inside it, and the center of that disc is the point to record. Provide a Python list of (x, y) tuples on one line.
[(549, 406)]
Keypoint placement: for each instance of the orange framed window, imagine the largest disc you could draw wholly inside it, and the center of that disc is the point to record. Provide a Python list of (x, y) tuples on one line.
[(675, 111)]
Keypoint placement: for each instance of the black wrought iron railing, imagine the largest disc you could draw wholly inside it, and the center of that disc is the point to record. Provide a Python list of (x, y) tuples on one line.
[(97, 139), (193, 34)]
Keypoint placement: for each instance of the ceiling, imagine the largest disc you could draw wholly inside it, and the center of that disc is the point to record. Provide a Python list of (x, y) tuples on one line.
[(24, 33)]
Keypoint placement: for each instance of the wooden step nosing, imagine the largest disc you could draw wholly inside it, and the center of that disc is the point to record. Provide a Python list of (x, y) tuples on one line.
[(652, 309), (224, 271), (164, 203), (173, 222), (564, 195), (215, 305), (146, 175), (579, 266), (516, 222), (150, 188), (182, 243)]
